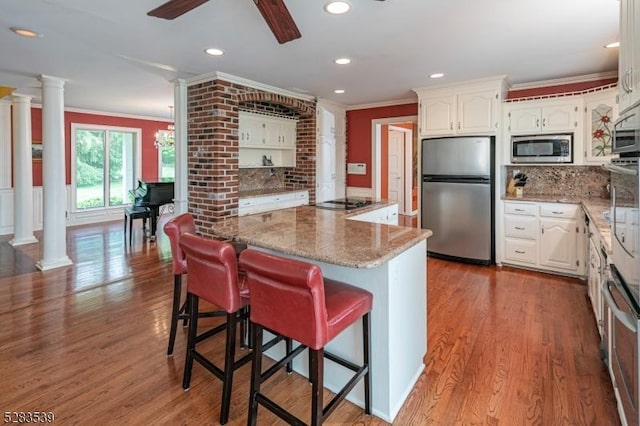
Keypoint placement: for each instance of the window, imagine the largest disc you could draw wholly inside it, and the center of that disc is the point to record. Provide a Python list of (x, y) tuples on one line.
[(105, 164), (166, 160)]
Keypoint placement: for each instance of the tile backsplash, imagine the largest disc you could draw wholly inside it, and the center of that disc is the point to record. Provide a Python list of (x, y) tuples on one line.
[(565, 181), (252, 179)]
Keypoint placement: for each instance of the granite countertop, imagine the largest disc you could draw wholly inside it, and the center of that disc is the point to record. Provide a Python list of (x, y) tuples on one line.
[(323, 235), (268, 191), (595, 209)]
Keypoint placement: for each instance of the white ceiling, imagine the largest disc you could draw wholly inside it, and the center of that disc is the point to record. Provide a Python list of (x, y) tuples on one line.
[(115, 58)]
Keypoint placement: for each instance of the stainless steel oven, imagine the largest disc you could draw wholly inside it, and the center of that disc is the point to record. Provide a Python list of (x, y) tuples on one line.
[(624, 345), (626, 133), (622, 290)]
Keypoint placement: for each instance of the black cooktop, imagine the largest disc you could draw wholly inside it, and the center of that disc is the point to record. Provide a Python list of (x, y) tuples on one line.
[(345, 204)]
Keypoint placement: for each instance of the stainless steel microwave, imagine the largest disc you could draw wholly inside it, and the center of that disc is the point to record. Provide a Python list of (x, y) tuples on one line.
[(542, 149), (626, 133)]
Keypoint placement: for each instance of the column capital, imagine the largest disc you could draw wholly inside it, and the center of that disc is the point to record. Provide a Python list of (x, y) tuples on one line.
[(180, 82), (19, 98), (51, 81)]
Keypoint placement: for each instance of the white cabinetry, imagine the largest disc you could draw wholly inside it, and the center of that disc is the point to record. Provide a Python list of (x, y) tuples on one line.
[(387, 215), (629, 56), (266, 141), (595, 277), (253, 205), (545, 236), (457, 110), (600, 112), (544, 116)]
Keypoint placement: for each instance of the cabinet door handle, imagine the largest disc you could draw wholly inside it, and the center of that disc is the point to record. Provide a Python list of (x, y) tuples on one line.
[(544, 122), (458, 125), (520, 252), (451, 125), (519, 228), (537, 122)]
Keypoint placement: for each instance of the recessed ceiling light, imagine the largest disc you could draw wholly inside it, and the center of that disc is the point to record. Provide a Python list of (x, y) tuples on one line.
[(342, 61), (338, 91), (614, 44), (436, 75), (337, 7), (25, 32), (214, 52)]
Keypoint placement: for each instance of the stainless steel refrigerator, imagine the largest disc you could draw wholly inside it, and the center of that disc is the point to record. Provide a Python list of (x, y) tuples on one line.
[(458, 198)]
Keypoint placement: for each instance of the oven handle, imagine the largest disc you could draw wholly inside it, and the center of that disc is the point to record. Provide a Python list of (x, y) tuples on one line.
[(626, 319), (619, 169)]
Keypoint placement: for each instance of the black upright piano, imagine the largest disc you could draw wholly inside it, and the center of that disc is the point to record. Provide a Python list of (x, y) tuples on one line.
[(152, 195)]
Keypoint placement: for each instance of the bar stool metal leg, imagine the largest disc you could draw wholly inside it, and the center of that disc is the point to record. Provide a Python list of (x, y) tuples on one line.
[(191, 344), (175, 312), (256, 372)]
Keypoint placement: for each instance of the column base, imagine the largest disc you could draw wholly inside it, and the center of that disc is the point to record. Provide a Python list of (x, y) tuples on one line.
[(45, 265), (22, 241)]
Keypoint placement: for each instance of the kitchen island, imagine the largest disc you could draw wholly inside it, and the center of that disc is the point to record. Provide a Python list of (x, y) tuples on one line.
[(389, 261)]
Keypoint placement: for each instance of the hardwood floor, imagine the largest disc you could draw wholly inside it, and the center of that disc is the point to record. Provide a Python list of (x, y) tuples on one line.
[(88, 343)]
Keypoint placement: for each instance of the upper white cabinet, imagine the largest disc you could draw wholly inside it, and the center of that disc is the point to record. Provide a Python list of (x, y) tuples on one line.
[(544, 116), (600, 112), (266, 141), (471, 108), (629, 57)]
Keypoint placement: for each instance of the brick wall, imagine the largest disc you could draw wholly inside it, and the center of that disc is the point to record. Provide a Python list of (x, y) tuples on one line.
[(212, 146)]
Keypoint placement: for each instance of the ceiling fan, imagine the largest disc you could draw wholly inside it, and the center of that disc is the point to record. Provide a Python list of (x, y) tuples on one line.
[(274, 12)]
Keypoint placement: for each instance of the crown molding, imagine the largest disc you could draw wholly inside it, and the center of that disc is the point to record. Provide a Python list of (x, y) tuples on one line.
[(383, 104), (216, 75), (111, 114), (565, 80), (504, 79)]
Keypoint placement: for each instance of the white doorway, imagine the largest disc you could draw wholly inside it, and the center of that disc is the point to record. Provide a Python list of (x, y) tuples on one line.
[(399, 147), (379, 157)]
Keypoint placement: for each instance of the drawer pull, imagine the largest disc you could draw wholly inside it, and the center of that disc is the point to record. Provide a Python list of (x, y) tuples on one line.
[(556, 212), (519, 210), (520, 252), (519, 228)]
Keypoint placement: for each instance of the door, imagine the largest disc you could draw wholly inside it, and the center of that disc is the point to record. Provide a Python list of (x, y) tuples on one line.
[(456, 156), (558, 244), (396, 169), (476, 112), (437, 115), (459, 215)]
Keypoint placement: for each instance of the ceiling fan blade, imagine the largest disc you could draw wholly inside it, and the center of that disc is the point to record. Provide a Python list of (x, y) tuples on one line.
[(277, 16), (174, 8)]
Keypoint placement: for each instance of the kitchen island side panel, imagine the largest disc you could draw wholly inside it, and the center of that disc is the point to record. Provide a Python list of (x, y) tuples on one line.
[(398, 330)]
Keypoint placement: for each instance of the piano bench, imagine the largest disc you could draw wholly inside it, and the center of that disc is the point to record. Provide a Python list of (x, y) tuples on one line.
[(131, 213)]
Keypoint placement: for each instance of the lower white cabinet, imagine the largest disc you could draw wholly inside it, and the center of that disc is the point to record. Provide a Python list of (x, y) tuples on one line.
[(387, 215), (253, 205), (546, 236)]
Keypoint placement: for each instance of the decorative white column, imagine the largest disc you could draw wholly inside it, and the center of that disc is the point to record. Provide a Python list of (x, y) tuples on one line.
[(22, 173), (54, 246), (180, 187), (5, 144)]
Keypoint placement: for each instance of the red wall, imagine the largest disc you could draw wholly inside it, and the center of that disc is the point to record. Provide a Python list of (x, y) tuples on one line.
[(359, 136), (148, 127), (560, 88)]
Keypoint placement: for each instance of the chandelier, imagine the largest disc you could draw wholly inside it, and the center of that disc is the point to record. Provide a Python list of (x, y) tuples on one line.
[(166, 138)]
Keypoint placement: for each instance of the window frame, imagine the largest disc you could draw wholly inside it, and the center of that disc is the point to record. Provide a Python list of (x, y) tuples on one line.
[(137, 167)]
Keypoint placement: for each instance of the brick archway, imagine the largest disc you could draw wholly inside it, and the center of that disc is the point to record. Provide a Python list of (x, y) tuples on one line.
[(301, 107)]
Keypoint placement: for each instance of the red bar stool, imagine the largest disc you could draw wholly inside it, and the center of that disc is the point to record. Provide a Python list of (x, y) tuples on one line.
[(213, 276), (174, 229), (292, 298)]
